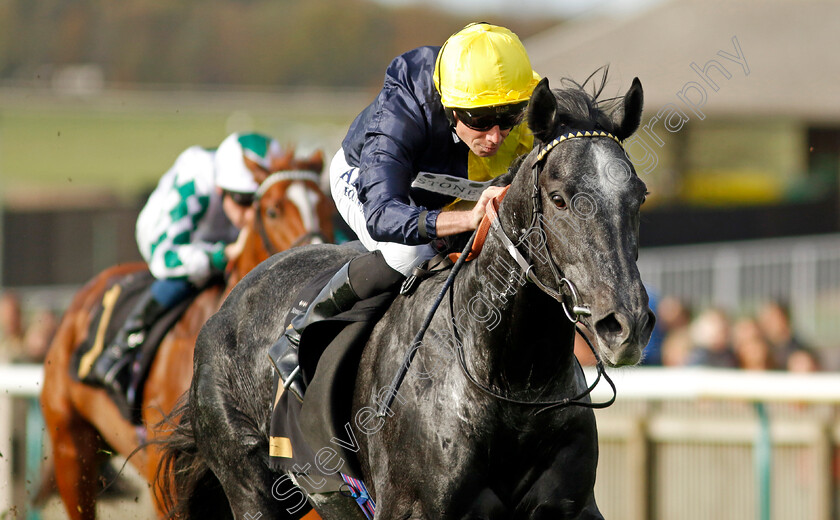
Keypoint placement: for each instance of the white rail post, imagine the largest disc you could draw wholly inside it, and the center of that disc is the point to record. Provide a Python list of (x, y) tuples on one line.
[(824, 458), (6, 487), (638, 474), (15, 381)]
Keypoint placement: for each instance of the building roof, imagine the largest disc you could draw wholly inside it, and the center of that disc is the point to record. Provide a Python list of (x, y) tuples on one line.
[(790, 51)]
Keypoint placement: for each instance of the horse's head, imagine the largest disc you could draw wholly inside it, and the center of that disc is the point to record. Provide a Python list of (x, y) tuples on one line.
[(586, 202), (291, 210)]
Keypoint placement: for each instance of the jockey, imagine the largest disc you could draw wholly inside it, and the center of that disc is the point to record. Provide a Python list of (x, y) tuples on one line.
[(455, 110), (187, 232)]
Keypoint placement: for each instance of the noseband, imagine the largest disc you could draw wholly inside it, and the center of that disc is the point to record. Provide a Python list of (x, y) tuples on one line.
[(271, 180)]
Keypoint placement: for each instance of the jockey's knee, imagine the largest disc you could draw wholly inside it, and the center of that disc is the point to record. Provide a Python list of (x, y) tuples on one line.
[(404, 259), (168, 292), (370, 274)]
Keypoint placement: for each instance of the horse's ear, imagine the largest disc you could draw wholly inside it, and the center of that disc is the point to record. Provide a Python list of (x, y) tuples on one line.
[(313, 163), (256, 170), (542, 110), (629, 116), (284, 161)]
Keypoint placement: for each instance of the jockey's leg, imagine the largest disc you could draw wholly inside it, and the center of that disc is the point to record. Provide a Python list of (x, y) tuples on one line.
[(399, 257), (361, 278), (112, 369)]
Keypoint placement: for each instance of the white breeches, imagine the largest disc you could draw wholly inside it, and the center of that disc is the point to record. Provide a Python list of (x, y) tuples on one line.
[(401, 257)]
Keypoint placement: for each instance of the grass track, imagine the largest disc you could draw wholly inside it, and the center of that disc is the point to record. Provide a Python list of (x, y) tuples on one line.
[(123, 141)]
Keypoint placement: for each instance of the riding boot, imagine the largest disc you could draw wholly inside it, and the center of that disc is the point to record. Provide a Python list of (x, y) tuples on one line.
[(336, 297), (112, 369), (363, 277)]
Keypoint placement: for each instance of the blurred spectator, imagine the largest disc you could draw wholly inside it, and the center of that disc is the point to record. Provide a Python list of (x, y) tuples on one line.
[(751, 348), (673, 318), (653, 350), (38, 336), (802, 361), (774, 320), (11, 327), (583, 353), (710, 335)]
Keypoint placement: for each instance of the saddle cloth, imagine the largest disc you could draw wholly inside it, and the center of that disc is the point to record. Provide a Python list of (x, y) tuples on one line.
[(317, 436), (108, 318)]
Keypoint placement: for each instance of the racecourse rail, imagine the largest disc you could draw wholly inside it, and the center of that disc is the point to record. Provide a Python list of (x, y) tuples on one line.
[(640, 433)]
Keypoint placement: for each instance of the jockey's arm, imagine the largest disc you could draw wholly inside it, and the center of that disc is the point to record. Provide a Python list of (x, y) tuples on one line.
[(234, 249), (454, 222), (176, 252)]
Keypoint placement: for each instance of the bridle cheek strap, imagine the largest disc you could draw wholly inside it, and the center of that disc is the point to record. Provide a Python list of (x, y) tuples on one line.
[(490, 224)]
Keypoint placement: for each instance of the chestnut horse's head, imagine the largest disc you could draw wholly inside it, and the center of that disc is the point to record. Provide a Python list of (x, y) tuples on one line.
[(290, 210)]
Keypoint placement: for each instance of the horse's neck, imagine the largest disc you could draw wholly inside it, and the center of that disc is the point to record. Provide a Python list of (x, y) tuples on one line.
[(253, 253), (513, 334)]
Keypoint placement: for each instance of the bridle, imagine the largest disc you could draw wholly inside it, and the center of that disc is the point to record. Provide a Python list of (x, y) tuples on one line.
[(573, 311), (271, 180), (576, 309)]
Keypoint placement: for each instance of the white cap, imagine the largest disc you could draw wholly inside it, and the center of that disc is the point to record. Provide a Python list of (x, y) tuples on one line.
[(231, 172)]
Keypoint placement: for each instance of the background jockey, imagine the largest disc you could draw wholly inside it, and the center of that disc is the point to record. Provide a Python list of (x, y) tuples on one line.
[(187, 232), (455, 110)]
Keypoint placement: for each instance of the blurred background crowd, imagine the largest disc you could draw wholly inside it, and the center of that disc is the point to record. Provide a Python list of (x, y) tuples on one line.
[(714, 338), (25, 334), (710, 337)]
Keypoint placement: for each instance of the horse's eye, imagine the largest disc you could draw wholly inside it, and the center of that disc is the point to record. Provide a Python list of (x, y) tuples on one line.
[(273, 211), (558, 201)]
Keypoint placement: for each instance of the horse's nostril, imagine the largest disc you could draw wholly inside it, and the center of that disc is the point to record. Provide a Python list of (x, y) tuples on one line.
[(651, 320), (647, 326), (608, 326)]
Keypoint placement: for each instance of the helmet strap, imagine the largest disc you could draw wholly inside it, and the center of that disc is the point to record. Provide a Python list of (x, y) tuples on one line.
[(450, 116)]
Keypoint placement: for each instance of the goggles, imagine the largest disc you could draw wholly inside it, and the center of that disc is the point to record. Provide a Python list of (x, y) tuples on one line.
[(240, 198), (483, 119)]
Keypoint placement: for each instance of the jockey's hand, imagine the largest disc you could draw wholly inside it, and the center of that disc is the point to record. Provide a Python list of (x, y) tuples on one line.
[(477, 212), (454, 222), (234, 249)]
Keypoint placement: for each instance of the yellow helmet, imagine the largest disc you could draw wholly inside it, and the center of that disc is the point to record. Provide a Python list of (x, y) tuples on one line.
[(483, 65)]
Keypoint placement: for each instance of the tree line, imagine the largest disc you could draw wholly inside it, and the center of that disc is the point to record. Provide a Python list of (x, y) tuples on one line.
[(222, 42)]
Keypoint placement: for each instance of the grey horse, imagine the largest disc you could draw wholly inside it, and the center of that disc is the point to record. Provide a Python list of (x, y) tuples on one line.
[(483, 425)]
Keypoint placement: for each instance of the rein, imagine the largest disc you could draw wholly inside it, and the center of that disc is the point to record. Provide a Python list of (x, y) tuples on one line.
[(271, 180), (547, 405), (491, 223)]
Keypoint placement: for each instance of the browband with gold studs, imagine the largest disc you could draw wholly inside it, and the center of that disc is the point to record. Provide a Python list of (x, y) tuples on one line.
[(575, 135)]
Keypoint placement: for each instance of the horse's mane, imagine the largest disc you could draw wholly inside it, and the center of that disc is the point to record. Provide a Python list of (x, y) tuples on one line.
[(581, 109)]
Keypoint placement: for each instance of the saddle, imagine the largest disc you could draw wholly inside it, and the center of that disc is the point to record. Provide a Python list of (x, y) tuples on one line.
[(318, 436), (117, 302)]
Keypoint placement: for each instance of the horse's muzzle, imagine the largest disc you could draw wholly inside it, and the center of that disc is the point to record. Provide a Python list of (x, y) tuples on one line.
[(622, 337)]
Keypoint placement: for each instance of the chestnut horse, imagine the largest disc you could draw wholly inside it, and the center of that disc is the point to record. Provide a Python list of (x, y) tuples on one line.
[(84, 425)]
